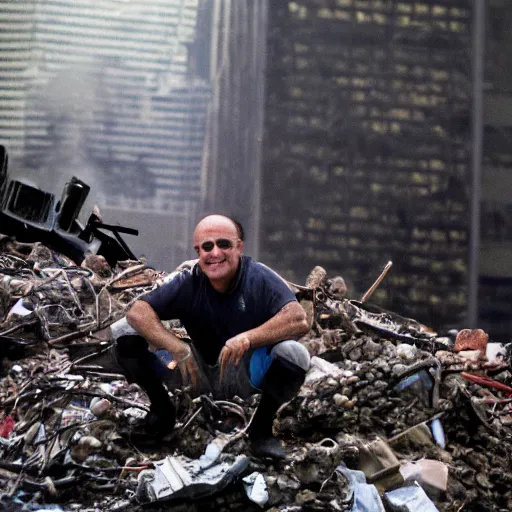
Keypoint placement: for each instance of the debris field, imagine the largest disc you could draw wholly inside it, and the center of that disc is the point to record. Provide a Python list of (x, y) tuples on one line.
[(392, 416)]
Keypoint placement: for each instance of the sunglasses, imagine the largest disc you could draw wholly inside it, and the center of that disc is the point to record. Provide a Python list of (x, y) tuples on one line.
[(221, 243)]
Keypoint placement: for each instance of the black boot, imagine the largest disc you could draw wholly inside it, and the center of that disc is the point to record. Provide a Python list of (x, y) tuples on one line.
[(160, 420), (280, 384), (263, 443), (138, 365)]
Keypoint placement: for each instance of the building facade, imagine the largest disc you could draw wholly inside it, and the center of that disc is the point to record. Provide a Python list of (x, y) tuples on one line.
[(366, 148), (108, 91)]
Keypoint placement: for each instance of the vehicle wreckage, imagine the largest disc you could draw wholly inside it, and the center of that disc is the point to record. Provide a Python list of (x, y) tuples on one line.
[(391, 416)]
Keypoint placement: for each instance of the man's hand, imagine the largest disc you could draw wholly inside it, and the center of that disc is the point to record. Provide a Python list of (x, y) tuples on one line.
[(233, 351), (143, 318), (187, 365), (190, 373)]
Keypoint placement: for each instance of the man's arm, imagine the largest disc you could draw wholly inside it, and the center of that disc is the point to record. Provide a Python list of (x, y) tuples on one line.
[(143, 318), (288, 323)]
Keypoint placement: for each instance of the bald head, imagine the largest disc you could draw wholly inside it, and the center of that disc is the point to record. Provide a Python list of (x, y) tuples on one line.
[(219, 246), (214, 221), (212, 218)]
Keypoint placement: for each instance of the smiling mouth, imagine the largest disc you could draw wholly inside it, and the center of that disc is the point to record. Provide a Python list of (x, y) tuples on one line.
[(215, 262)]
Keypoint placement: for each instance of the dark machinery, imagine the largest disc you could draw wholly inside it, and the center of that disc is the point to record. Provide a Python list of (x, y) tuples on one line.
[(32, 215)]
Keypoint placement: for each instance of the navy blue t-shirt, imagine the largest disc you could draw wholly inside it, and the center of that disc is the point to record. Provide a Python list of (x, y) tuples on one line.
[(211, 317)]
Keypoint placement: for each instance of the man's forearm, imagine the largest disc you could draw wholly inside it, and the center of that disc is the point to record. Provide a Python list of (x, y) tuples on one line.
[(289, 323), (145, 321)]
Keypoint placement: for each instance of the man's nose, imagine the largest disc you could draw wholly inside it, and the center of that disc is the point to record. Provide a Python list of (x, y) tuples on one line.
[(216, 251)]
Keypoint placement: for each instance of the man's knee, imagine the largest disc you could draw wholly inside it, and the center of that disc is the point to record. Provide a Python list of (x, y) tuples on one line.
[(293, 352), (131, 346)]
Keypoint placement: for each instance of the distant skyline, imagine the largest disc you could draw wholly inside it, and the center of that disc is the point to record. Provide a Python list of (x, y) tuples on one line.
[(104, 90)]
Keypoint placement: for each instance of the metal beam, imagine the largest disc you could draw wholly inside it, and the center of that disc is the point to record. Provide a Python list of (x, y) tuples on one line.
[(478, 46)]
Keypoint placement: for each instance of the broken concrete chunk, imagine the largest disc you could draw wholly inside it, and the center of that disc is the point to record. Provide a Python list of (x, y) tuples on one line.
[(471, 339), (337, 287), (316, 277), (409, 499), (256, 488), (99, 406), (470, 355), (432, 475), (407, 352), (322, 369), (495, 352)]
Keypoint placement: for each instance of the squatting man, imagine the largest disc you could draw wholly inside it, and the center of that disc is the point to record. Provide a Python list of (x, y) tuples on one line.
[(243, 322)]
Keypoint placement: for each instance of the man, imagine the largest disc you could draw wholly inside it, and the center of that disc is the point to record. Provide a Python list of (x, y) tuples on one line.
[(242, 319)]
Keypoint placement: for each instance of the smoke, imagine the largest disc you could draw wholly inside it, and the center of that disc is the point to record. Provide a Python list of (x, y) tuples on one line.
[(67, 104)]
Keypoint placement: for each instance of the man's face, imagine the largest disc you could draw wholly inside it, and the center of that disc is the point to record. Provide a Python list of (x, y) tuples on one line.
[(218, 263)]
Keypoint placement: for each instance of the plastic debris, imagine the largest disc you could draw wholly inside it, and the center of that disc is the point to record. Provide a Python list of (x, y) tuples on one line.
[(7, 426), (365, 496)]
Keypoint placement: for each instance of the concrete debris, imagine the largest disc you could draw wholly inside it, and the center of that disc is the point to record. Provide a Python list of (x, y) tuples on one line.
[(409, 499), (432, 475), (256, 488), (471, 339), (387, 403)]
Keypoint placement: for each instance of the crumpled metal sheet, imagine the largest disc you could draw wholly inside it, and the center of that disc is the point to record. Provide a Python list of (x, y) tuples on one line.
[(179, 477)]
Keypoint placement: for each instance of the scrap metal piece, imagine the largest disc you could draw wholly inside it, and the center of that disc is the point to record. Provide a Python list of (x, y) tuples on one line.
[(387, 323), (375, 285), (33, 215), (355, 317)]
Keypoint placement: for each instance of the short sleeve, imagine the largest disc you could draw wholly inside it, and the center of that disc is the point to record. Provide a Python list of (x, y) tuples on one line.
[(275, 293), (171, 299)]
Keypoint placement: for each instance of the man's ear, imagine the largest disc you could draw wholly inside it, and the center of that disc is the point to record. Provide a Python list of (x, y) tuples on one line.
[(241, 245)]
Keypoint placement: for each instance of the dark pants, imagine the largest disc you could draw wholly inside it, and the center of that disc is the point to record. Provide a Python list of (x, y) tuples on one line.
[(146, 369)]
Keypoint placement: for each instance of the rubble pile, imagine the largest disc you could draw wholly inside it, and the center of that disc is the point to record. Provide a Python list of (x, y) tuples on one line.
[(45, 296), (391, 416)]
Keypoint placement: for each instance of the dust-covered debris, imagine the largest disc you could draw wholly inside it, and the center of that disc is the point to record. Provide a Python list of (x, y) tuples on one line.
[(386, 400)]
